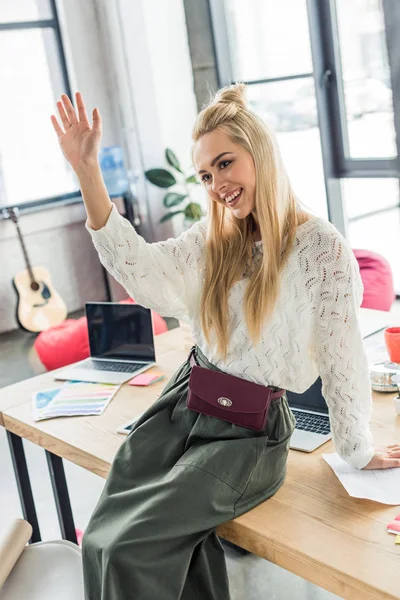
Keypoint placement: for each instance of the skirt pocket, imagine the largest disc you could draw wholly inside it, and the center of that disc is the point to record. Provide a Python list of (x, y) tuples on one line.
[(280, 424), (231, 461)]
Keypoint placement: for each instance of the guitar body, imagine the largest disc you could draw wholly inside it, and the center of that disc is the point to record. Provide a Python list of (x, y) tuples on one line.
[(41, 308)]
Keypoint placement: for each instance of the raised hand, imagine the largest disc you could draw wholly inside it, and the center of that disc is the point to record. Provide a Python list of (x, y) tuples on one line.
[(385, 458), (79, 142)]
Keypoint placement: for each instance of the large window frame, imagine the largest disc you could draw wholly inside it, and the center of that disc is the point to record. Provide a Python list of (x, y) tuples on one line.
[(327, 76), (324, 34), (56, 62)]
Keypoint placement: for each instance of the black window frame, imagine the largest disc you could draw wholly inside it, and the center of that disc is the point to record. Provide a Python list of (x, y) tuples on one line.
[(328, 76)]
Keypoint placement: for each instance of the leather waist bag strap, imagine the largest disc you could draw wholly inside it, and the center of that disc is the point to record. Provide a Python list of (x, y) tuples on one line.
[(229, 398)]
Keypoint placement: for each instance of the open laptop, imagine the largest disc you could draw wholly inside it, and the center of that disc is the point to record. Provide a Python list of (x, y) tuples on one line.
[(310, 409), (121, 344), (312, 418)]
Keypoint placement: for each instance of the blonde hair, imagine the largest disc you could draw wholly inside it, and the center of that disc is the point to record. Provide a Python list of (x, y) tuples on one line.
[(229, 244)]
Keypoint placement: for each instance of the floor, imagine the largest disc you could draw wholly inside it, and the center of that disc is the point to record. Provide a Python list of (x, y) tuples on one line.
[(251, 577)]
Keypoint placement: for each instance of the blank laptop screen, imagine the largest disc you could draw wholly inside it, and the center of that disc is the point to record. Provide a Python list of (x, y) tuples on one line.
[(120, 331), (311, 399)]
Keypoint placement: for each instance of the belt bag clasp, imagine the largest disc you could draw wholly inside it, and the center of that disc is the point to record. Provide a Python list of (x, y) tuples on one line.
[(230, 398)]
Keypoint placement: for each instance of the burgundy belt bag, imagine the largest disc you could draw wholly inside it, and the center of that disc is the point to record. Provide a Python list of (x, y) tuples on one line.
[(229, 398)]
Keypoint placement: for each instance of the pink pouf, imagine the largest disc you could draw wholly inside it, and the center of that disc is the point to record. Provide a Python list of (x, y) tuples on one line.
[(69, 342), (377, 278)]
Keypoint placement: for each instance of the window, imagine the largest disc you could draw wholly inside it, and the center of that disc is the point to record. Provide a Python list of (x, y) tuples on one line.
[(367, 95), (318, 73), (289, 107), (33, 76), (272, 54), (259, 33)]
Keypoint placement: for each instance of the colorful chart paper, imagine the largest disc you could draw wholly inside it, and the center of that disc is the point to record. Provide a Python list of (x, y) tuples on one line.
[(73, 399)]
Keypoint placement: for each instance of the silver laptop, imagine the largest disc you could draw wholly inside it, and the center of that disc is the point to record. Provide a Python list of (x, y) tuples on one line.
[(310, 409), (121, 344), (312, 418)]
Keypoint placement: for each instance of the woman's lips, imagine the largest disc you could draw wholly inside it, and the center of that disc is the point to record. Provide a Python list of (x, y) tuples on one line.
[(236, 200)]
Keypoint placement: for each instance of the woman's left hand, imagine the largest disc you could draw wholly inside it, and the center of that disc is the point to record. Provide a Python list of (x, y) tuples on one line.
[(385, 458)]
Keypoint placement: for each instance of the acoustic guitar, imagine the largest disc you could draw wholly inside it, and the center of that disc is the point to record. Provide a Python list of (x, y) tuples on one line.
[(39, 306)]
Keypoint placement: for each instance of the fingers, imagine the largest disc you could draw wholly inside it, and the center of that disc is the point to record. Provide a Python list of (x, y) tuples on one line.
[(56, 126), (394, 453), (63, 115), (81, 108), (69, 117), (69, 109), (96, 119)]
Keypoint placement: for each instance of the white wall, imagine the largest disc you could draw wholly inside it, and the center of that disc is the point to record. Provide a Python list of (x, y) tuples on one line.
[(131, 59)]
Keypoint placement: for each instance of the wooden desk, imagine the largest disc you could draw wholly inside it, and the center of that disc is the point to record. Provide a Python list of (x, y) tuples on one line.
[(310, 527)]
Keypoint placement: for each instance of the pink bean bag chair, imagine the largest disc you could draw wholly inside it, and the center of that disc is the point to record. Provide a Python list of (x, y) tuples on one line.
[(377, 278), (69, 342)]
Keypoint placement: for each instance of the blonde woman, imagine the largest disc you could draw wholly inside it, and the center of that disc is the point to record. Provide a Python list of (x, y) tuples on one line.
[(272, 295)]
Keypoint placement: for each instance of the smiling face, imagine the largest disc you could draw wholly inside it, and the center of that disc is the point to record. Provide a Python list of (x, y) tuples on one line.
[(227, 172)]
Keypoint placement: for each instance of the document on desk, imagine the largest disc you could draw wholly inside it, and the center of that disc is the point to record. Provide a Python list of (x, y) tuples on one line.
[(73, 399), (381, 485)]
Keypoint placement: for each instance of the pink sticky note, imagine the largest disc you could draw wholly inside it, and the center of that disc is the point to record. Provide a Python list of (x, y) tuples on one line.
[(394, 526), (397, 518), (146, 378)]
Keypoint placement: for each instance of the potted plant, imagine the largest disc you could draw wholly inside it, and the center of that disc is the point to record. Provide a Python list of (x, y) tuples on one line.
[(166, 179)]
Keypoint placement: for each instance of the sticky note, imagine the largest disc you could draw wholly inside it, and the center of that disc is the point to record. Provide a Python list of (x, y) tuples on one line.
[(147, 379), (397, 540), (394, 526), (397, 518)]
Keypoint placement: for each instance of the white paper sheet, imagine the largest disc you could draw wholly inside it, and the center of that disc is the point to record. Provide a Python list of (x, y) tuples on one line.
[(381, 485)]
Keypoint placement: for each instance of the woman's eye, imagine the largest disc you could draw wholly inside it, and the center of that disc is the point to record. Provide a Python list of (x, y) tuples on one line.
[(222, 165), (224, 162)]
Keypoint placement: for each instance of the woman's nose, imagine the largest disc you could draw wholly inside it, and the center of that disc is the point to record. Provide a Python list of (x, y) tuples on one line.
[(218, 184)]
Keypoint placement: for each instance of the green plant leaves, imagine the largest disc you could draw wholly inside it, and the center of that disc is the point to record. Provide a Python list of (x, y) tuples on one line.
[(160, 177), (193, 211), (164, 179), (170, 215), (173, 199), (172, 159), (192, 179)]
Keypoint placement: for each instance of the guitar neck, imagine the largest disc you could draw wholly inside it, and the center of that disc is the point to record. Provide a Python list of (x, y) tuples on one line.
[(14, 218)]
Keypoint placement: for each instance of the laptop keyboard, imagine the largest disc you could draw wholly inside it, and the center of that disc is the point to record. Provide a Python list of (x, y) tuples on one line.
[(311, 422), (106, 365)]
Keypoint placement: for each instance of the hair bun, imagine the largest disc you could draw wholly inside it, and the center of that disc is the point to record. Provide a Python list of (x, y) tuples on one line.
[(232, 94)]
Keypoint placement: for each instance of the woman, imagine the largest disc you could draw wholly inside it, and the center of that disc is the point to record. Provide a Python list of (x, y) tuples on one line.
[(272, 295)]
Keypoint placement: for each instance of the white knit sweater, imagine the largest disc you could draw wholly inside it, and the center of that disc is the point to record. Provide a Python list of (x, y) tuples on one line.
[(314, 329)]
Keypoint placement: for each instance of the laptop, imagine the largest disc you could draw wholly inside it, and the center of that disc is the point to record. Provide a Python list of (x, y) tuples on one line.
[(310, 409), (121, 344), (312, 418)]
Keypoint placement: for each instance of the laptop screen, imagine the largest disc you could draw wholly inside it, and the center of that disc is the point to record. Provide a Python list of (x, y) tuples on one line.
[(311, 399), (120, 331)]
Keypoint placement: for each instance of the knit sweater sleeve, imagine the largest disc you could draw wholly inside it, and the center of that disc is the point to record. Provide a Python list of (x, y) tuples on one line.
[(340, 354), (161, 275)]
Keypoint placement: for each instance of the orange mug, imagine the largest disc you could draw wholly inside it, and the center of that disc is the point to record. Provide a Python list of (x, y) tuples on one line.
[(392, 340)]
